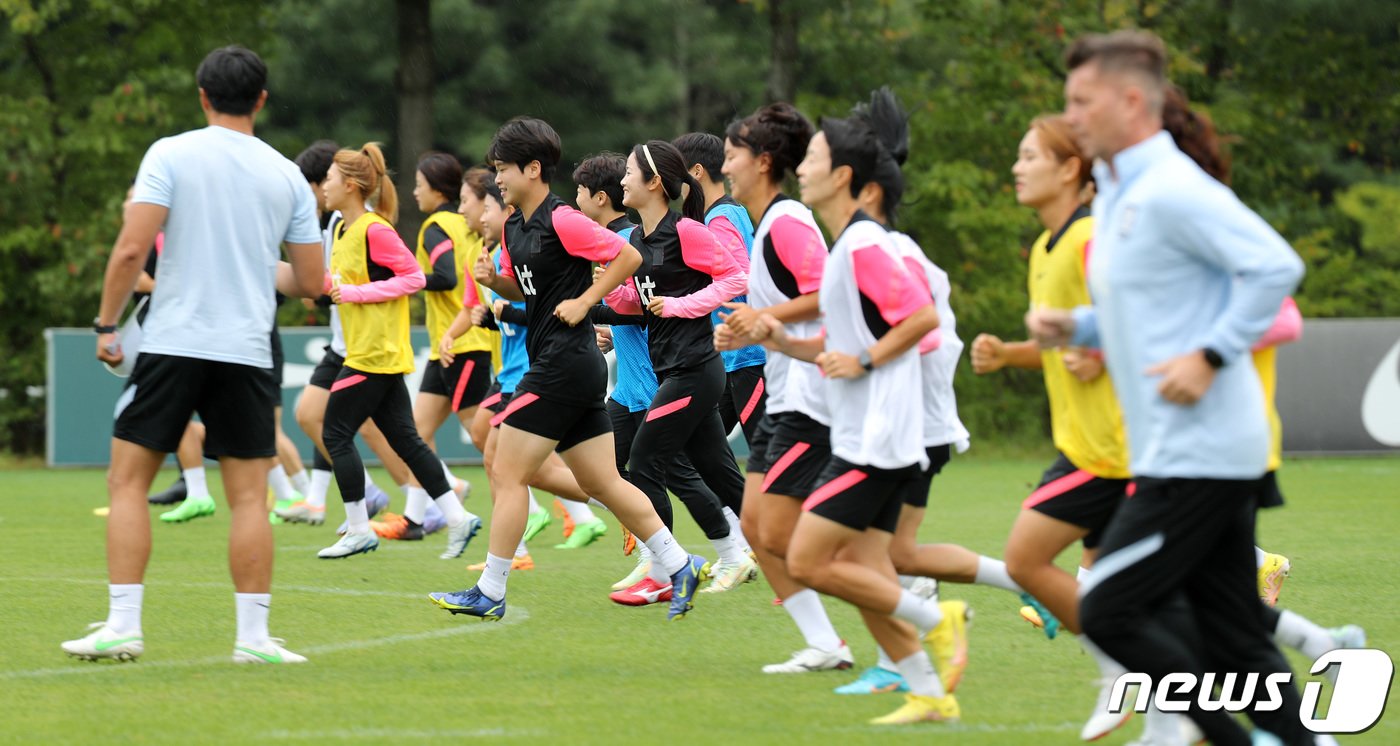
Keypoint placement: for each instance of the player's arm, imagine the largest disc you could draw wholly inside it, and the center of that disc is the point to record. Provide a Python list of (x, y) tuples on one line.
[(703, 252), (303, 275), (902, 302), (441, 259), (140, 224), (802, 252), (990, 353), (386, 249), (583, 238), (503, 283)]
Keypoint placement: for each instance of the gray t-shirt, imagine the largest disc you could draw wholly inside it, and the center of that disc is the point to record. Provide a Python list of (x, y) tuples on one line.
[(233, 201)]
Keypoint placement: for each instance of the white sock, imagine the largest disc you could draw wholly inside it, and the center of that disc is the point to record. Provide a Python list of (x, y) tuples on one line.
[(534, 504), (578, 512), (916, 610), (446, 472), (404, 488), (252, 616), (299, 482), (281, 485), (320, 484), (1109, 669), (124, 608), (1259, 556), (993, 572), (1301, 634), (196, 483), (729, 551), (736, 530), (1082, 574), (805, 608), (919, 675), (358, 516), (645, 550), (521, 550), (492, 583), (452, 509), (666, 552), (416, 506), (885, 662)]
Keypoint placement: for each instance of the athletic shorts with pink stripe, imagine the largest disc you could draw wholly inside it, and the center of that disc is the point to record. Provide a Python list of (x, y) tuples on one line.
[(1070, 494)]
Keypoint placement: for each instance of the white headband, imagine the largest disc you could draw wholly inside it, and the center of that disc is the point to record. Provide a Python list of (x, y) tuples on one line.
[(647, 152)]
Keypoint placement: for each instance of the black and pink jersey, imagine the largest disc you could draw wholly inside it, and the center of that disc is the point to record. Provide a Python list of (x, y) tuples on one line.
[(683, 262), (550, 256)]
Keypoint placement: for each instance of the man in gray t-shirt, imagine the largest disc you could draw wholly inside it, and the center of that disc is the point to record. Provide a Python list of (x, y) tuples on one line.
[(227, 202)]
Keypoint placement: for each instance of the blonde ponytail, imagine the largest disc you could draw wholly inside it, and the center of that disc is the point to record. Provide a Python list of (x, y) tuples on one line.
[(365, 169)]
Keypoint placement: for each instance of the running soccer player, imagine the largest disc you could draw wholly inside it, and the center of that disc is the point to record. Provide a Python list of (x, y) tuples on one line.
[(372, 274), (1184, 279), (212, 189), (792, 443), (547, 257), (875, 312), (684, 276), (448, 246)]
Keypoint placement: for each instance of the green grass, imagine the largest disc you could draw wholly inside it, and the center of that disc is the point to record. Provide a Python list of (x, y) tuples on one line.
[(568, 666)]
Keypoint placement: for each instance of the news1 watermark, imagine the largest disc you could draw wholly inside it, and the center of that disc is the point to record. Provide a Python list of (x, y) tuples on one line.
[(1361, 680)]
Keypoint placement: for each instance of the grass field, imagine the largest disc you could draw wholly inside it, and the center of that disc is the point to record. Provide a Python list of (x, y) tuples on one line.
[(567, 666)]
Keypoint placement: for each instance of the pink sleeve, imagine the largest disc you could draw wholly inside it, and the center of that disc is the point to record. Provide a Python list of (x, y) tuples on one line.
[(731, 239), (801, 250), (625, 299), (439, 250), (703, 252), (507, 269), (584, 238), (1288, 327), (471, 295), (387, 250), (933, 339), (885, 281)]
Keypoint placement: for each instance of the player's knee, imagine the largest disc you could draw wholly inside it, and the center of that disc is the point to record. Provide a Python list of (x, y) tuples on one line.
[(905, 558), (807, 571)]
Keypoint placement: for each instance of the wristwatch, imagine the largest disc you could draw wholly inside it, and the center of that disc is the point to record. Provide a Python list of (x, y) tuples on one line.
[(101, 328), (1213, 358), (865, 361)]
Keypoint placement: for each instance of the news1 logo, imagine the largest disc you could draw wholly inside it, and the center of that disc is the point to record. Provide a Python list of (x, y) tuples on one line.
[(1360, 687)]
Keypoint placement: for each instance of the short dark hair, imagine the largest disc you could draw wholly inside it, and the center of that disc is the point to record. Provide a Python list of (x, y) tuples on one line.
[(481, 180), (491, 191), (316, 160), (233, 78), (1140, 53), (603, 173), (777, 129), (443, 173), (705, 149), (525, 139)]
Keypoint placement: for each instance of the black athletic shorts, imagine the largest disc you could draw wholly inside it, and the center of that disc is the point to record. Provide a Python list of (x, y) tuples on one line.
[(938, 457), (234, 402), (1070, 494), (323, 377), (464, 382), (861, 497), (496, 400), (758, 445), (797, 452), (274, 378), (569, 424)]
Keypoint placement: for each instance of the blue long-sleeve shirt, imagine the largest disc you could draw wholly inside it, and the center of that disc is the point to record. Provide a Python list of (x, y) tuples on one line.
[(1178, 264)]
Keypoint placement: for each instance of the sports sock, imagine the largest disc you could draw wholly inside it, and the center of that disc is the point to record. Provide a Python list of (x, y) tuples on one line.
[(299, 481), (492, 583), (404, 488), (452, 509), (993, 572), (736, 531), (1081, 574), (578, 512), (1259, 556), (281, 485), (252, 611), (196, 483), (416, 506), (805, 608), (667, 553), (1109, 669), (919, 675), (1301, 634), (885, 662), (446, 472), (916, 610), (124, 608), (320, 485), (521, 550), (534, 504), (358, 517), (729, 551)]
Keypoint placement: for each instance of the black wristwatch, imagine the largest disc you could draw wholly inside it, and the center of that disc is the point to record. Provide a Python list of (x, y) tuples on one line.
[(101, 328), (1213, 358), (865, 361)]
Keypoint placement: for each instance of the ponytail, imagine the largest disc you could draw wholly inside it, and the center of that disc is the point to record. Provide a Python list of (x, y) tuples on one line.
[(365, 169), (661, 158)]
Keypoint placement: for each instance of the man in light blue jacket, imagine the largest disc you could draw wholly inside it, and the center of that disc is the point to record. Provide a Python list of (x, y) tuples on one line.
[(1184, 278)]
